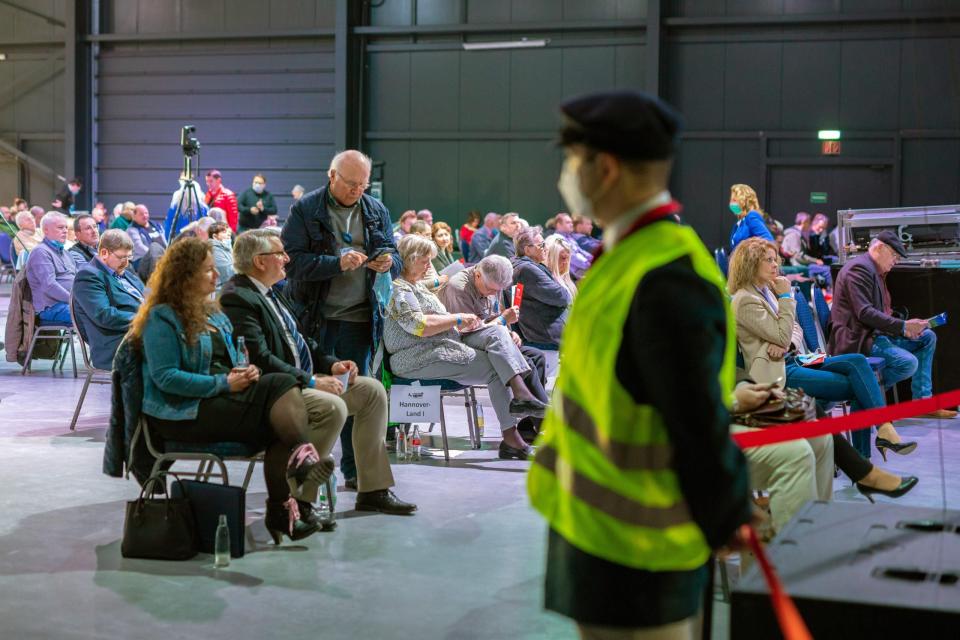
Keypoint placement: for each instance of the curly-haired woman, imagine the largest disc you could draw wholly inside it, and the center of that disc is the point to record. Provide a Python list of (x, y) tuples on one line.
[(195, 392)]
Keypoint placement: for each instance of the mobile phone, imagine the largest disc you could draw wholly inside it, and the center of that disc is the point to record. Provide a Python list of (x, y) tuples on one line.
[(774, 384), (380, 251)]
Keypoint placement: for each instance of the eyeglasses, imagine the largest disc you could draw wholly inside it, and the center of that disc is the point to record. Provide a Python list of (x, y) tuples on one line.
[(353, 186), (121, 258), (272, 253), (540, 245)]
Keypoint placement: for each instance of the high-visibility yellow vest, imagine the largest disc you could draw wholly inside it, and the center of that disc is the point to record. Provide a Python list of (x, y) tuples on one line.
[(601, 475)]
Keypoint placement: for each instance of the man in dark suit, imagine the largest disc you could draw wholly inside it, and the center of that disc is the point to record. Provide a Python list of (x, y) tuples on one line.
[(862, 321), (106, 297), (276, 344)]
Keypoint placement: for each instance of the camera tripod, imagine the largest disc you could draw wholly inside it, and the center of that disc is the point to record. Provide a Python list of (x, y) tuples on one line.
[(188, 205)]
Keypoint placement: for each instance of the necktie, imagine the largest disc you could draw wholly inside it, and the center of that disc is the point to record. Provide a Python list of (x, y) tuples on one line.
[(303, 352)]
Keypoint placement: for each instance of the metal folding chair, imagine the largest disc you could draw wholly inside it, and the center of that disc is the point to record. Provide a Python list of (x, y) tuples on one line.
[(92, 374), (63, 333)]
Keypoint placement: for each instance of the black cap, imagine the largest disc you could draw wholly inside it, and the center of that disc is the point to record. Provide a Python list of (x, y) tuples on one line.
[(890, 239), (627, 123)]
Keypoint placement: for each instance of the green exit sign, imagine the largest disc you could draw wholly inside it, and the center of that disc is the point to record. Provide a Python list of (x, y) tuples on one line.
[(818, 197)]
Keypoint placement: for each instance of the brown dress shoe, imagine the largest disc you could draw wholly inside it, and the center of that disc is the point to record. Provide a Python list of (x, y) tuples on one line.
[(944, 414)]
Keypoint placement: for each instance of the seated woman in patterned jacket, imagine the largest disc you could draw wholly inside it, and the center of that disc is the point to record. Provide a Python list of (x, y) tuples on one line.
[(427, 343)]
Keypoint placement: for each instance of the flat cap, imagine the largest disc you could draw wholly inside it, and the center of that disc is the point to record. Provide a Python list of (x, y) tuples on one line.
[(627, 123), (890, 239)]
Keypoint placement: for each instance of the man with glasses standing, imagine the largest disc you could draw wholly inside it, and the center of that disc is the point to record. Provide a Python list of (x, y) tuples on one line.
[(862, 321), (339, 240), (106, 297)]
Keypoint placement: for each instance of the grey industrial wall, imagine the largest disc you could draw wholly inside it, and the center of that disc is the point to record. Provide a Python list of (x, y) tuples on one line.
[(459, 129), (261, 105), (32, 104), (755, 79)]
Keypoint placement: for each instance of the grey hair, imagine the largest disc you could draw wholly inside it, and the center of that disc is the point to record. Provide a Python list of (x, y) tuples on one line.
[(351, 154), (248, 244), (114, 239), (51, 217), (205, 222), (217, 214), (24, 215), (496, 271), (412, 246), (524, 239), (491, 217)]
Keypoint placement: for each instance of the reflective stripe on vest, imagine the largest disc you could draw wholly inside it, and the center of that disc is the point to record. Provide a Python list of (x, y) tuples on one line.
[(602, 476)]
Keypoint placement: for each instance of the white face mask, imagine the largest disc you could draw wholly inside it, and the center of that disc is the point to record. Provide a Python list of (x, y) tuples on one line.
[(257, 188), (569, 187)]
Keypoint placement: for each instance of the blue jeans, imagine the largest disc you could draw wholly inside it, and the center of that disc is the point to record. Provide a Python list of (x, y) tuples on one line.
[(58, 313), (846, 377), (348, 341), (907, 358)]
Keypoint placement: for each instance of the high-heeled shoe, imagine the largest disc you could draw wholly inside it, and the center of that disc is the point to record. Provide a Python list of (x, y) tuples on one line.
[(902, 448), (283, 519), (906, 484), (306, 471)]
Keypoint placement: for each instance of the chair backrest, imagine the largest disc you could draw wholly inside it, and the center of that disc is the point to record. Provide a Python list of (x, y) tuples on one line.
[(6, 249), (822, 308), (79, 329), (720, 255), (806, 320)]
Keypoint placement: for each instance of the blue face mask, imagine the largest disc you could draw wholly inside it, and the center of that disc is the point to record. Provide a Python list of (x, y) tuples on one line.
[(735, 208), (257, 188)]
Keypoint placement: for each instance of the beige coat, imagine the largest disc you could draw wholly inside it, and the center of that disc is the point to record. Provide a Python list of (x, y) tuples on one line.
[(758, 328)]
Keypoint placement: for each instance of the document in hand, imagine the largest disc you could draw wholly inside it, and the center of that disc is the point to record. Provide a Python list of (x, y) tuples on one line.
[(938, 321), (517, 295), (452, 269)]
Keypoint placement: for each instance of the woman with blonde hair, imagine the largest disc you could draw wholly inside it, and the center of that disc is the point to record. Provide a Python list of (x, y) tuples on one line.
[(558, 261), (194, 389), (772, 344), (751, 222)]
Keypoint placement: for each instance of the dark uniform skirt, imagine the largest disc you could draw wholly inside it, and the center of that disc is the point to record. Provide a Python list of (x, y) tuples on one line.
[(233, 417), (597, 592)]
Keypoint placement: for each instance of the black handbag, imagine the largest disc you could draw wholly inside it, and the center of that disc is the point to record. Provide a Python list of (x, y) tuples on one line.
[(159, 528), (208, 501)]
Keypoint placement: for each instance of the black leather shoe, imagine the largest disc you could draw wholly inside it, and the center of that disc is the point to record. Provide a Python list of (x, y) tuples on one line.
[(384, 501), (902, 448), (277, 522), (350, 484), (532, 408), (906, 484), (529, 428), (512, 453)]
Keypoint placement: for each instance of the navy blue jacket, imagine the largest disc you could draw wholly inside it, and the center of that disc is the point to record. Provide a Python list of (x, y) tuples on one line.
[(311, 243), (104, 309)]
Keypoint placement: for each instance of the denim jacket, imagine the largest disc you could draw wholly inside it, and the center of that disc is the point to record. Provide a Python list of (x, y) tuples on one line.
[(177, 375)]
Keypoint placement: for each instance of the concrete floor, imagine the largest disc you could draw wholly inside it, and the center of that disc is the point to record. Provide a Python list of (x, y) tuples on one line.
[(468, 565)]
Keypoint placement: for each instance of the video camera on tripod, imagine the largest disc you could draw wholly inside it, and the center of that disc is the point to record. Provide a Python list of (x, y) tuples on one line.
[(187, 204), (191, 148)]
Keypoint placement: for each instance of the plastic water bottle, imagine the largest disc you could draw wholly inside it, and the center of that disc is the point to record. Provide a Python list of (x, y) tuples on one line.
[(401, 444), (221, 547), (243, 356), (415, 443), (327, 504), (480, 420)]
